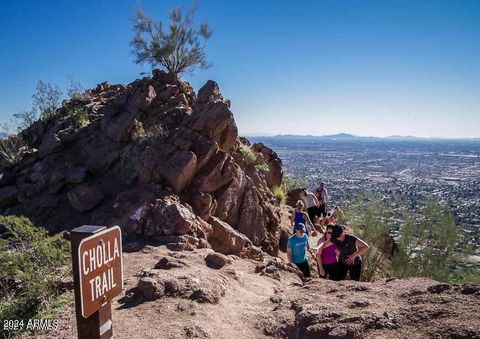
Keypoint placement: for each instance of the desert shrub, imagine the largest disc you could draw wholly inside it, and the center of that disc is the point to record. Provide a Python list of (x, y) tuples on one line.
[(262, 168), (138, 132), (279, 195), (428, 243), (31, 262), (248, 155), (464, 275), (45, 102), (78, 117), (290, 182), (75, 89), (177, 49), (371, 224), (11, 147)]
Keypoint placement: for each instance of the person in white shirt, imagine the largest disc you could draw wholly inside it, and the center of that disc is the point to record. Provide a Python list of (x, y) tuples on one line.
[(312, 205)]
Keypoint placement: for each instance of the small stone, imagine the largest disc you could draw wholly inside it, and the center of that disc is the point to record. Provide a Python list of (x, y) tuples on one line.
[(470, 288), (217, 260), (439, 288), (150, 288)]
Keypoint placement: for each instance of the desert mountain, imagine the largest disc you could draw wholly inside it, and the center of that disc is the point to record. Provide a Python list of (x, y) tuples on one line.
[(155, 158)]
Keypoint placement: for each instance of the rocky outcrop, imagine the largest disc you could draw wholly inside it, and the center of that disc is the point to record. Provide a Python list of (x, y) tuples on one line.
[(173, 276), (153, 157)]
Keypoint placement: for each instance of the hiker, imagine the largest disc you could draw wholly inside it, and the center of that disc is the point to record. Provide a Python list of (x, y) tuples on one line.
[(338, 214), (327, 257), (329, 219), (297, 247), (350, 250), (312, 205), (322, 196), (300, 217)]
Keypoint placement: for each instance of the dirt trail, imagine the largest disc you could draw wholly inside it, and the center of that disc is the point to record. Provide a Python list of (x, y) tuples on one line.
[(254, 305), (247, 296)]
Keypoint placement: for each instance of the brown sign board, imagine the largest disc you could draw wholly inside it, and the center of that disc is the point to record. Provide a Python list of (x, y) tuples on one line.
[(100, 269)]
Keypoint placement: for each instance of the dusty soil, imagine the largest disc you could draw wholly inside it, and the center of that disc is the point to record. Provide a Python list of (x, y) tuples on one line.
[(249, 302)]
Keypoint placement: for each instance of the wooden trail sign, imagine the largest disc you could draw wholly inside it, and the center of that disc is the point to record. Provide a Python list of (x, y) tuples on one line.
[(98, 277)]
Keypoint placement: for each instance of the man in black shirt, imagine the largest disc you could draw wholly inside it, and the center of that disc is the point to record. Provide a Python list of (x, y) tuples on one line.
[(350, 248)]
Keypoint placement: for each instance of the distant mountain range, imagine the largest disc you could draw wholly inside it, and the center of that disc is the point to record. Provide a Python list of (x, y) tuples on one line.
[(347, 136)]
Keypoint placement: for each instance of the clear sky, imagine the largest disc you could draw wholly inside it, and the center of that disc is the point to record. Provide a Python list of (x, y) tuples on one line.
[(290, 67)]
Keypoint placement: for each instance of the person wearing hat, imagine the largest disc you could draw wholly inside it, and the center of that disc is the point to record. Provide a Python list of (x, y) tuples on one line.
[(297, 247), (350, 249)]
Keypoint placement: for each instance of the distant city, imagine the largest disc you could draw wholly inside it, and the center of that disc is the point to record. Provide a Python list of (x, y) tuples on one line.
[(413, 168)]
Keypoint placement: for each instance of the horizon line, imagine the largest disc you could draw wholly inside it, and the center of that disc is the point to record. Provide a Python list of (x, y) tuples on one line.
[(349, 135)]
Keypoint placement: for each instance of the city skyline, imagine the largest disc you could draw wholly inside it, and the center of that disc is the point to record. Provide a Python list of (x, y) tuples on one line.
[(373, 68)]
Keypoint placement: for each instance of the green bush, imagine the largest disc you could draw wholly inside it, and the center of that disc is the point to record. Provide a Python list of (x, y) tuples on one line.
[(138, 133), (78, 117), (279, 195), (371, 223), (262, 168), (248, 155), (10, 148), (429, 244), (31, 265), (289, 183), (428, 241)]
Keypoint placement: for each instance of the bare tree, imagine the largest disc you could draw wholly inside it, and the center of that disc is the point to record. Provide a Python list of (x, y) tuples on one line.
[(179, 48), (75, 89), (45, 102), (47, 99)]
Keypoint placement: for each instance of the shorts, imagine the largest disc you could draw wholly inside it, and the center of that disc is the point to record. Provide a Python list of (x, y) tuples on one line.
[(354, 271), (322, 209), (304, 267), (312, 213)]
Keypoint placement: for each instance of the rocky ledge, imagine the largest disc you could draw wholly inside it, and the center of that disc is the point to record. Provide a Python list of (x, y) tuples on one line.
[(155, 158)]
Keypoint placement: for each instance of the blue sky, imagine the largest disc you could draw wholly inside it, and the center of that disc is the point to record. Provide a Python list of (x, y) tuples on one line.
[(298, 67)]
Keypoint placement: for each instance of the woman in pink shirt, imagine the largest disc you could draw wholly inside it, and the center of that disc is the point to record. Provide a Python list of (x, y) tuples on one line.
[(327, 257)]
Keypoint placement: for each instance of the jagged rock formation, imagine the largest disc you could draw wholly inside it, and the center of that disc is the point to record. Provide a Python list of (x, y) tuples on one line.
[(156, 159)]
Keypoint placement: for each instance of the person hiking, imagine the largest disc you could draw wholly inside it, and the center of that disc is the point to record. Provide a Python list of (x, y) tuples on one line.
[(297, 247), (327, 257), (350, 250), (322, 196), (329, 219), (338, 214), (300, 217), (312, 205)]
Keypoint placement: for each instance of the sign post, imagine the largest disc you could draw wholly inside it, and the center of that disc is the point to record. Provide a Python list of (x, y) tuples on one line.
[(97, 277)]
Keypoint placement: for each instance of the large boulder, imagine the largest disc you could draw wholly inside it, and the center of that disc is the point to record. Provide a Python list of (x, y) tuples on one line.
[(84, 198), (50, 143), (274, 174), (225, 239), (170, 217)]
